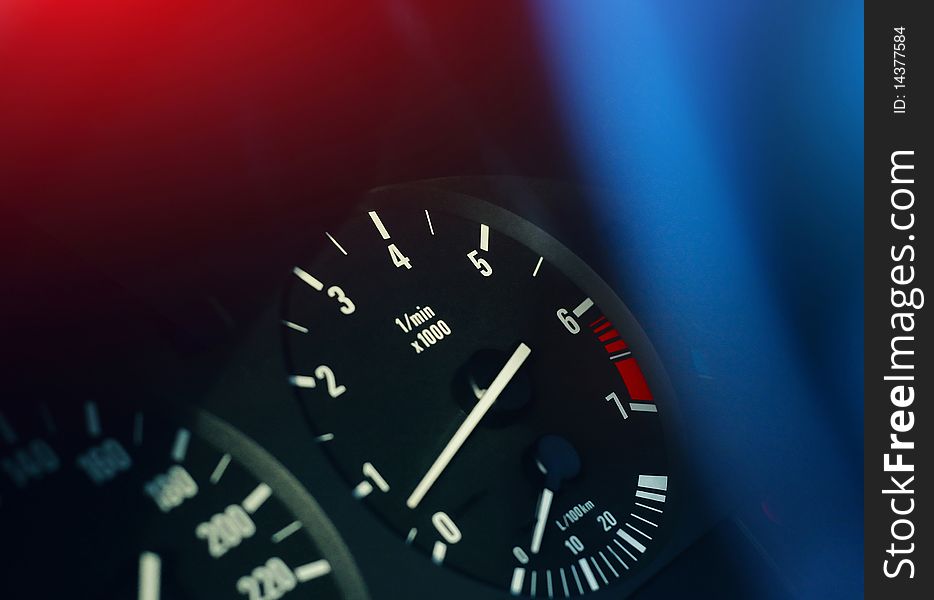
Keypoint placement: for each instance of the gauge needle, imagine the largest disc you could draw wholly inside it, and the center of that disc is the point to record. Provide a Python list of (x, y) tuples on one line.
[(544, 506), (150, 575), (470, 423)]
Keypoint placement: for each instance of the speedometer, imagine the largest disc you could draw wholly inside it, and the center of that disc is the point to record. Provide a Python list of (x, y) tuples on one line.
[(106, 501)]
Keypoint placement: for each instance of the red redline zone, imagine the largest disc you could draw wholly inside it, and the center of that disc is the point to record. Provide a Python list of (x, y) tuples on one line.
[(627, 366)]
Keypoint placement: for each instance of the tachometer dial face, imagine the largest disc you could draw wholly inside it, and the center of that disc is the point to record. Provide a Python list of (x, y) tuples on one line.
[(485, 393), (115, 504)]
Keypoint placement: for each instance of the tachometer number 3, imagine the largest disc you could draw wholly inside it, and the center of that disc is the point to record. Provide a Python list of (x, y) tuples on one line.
[(347, 305)]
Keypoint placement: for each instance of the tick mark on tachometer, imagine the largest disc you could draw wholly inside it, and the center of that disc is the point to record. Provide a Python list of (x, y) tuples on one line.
[(308, 278), (583, 307), (383, 232), (336, 243), (295, 326), (538, 266)]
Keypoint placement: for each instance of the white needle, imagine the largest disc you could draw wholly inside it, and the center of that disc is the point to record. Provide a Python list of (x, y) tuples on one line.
[(460, 436), (150, 575), (544, 506)]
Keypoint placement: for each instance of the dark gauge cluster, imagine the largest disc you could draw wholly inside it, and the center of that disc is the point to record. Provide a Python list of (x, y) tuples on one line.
[(437, 399)]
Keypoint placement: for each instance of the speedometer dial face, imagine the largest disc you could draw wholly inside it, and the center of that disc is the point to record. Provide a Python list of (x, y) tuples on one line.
[(485, 393), (136, 504)]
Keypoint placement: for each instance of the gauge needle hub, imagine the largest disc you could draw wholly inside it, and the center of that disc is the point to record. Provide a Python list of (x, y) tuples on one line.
[(470, 423), (544, 507), (150, 576)]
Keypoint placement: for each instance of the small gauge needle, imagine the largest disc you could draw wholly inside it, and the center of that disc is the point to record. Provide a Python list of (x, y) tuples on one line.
[(544, 506), (150, 575), (470, 423)]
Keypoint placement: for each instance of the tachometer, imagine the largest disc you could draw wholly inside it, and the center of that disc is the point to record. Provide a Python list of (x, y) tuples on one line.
[(484, 392)]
